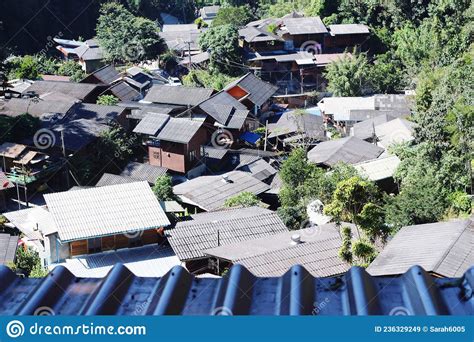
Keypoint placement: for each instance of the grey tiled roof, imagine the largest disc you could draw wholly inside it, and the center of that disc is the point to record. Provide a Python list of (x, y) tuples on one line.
[(8, 246), (210, 192), (145, 261), (189, 239), (365, 129), (273, 255), (179, 95), (123, 91), (78, 133), (143, 172), (229, 214), (90, 50), (378, 169), (259, 169), (444, 248), (292, 123), (304, 25), (253, 34), (151, 123), (349, 150), (213, 152), (76, 90), (296, 293), (340, 29), (16, 107), (176, 39), (259, 91), (226, 110), (179, 130), (108, 210), (107, 74), (111, 179)]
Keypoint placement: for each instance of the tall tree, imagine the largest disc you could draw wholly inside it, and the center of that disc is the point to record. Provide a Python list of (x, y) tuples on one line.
[(126, 37), (348, 76)]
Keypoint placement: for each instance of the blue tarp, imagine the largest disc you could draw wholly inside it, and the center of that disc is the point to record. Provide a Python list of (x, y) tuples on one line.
[(250, 137)]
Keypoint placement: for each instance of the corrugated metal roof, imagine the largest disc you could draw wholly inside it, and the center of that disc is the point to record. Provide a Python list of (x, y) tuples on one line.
[(349, 150), (123, 91), (180, 95), (394, 132), (19, 106), (151, 123), (107, 210), (304, 25), (146, 261), (144, 172), (111, 179), (189, 239), (340, 29), (365, 129), (179, 130), (226, 110), (77, 90), (8, 246), (259, 169), (378, 169), (291, 123), (239, 293), (258, 91), (211, 192), (33, 222), (445, 248), (107, 75)]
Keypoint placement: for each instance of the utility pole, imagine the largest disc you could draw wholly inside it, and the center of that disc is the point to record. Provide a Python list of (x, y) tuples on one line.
[(65, 157), (266, 135), (302, 81), (189, 54)]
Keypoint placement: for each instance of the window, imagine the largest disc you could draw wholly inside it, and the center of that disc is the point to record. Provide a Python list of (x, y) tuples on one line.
[(192, 155)]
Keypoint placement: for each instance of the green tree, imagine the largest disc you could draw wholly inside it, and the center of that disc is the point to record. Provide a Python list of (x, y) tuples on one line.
[(71, 69), (126, 37), (26, 260), (293, 217), (206, 79), (223, 43), (163, 188), (345, 252), (244, 199), (107, 100), (28, 68), (348, 76), (237, 16)]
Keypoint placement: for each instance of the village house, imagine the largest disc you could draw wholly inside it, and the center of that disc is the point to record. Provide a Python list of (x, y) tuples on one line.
[(180, 96), (174, 143), (101, 219), (8, 248), (88, 54), (346, 37), (85, 92), (345, 112), (349, 150), (314, 248), (209, 13), (190, 239), (209, 193)]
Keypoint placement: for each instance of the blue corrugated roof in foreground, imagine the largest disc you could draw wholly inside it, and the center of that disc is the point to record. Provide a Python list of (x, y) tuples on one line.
[(238, 293)]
